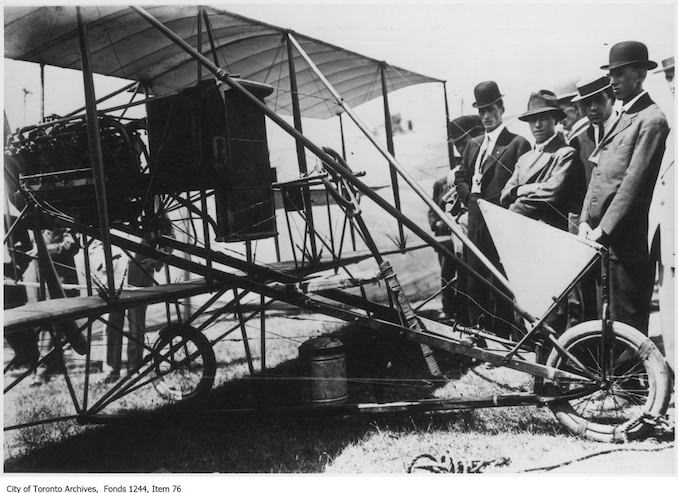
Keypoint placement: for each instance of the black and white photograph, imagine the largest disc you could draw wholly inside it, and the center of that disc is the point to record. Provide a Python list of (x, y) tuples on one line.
[(336, 238)]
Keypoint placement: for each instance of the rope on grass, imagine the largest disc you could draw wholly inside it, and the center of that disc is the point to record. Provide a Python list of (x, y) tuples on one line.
[(595, 454)]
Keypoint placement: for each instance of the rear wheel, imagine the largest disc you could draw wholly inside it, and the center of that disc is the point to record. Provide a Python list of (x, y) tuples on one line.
[(638, 385), (184, 363)]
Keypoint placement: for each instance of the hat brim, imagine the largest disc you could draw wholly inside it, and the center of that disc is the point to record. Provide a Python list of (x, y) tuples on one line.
[(649, 64), (526, 116), (565, 98), (590, 94), (469, 133), (664, 69), (485, 105)]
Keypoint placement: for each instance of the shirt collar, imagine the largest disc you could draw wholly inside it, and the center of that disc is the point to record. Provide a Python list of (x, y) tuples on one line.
[(540, 147), (626, 107), (494, 134)]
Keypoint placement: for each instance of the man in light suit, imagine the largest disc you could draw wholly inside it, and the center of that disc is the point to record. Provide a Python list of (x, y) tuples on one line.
[(545, 177), (596, 99), (661, 237), (486, 166), (615, 210)]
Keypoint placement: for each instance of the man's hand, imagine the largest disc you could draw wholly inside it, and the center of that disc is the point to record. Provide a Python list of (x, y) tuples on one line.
[(584, 230), (67, 243), (597, 235)]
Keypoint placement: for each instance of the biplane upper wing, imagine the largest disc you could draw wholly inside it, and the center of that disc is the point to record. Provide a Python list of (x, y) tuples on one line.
[(124, 45)]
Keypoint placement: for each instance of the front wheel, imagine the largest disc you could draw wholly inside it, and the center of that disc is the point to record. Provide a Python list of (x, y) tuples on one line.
[(184, 363), (638, 383)]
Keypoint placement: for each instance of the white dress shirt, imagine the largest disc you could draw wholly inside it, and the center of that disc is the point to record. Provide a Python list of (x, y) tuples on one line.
[(540, 147), (485, 150)]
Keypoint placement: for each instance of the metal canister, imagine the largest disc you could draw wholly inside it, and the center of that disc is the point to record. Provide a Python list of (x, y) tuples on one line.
[(324, 361)]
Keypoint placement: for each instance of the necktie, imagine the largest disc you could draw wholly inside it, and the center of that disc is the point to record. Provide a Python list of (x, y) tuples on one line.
[(601, 133), (483, 153)]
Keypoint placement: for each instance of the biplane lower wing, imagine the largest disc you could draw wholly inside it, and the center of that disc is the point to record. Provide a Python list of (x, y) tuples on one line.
[(50, 311)]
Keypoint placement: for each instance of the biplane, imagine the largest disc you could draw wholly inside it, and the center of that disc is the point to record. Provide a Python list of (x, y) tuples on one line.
[(199, 158)]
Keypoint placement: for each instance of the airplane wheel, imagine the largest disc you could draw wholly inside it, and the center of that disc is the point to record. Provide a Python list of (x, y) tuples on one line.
[(184, 363), (640, 384)]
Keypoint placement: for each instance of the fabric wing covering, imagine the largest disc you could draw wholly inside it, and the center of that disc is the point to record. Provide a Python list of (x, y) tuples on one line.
[(124, 45), (540, 261)]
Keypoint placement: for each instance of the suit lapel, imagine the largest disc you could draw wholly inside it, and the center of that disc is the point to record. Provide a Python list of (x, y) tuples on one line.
[(543, 159), (622, 125), (499, 149), (537, 165), (628, 117)]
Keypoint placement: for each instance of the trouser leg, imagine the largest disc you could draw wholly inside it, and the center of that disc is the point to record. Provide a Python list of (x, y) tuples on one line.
[(114, 329), (666, 311), (137, 329), (448, 271), (630, 291)]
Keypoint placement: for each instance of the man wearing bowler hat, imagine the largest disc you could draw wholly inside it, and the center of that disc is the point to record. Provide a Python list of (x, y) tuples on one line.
[(459, 132), (486, 166), (596, 99), (627, 159), (661, 239), (544, 178)]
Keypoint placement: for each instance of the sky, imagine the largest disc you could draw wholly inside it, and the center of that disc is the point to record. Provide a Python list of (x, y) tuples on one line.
[(523, 46)]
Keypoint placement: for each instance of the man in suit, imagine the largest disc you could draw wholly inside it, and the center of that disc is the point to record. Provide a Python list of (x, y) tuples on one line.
[(628, 159), (486, 166), (459, 132), (596, 99), (544, 178), (661, 237), (574, 122)]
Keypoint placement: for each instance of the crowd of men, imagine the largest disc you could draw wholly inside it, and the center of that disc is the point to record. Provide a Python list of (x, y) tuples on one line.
[(599, 150)]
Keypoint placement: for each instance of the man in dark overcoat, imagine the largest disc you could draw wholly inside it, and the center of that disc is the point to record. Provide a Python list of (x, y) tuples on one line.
[(487, 164), (615, 210), (459, 132)]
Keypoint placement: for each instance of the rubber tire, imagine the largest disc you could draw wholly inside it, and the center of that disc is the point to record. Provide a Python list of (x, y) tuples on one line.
[(204, 348), (660, 385)]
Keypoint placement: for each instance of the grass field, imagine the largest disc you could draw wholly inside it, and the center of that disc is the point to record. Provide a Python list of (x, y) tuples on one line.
[(204, 441)]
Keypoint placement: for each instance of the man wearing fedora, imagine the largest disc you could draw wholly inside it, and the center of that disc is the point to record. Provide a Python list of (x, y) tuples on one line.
[(545, 177), (628, 158), (661, 228), (596, 99), (487, 164), (459, 132)]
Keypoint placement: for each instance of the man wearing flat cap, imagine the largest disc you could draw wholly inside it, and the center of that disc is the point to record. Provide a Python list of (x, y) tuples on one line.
[(486, 166), (628, 158), (596, 99), (459, 132), (661, 228), (544, 178)]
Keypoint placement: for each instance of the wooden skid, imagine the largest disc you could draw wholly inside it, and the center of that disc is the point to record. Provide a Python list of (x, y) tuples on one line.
[(424, 405)]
